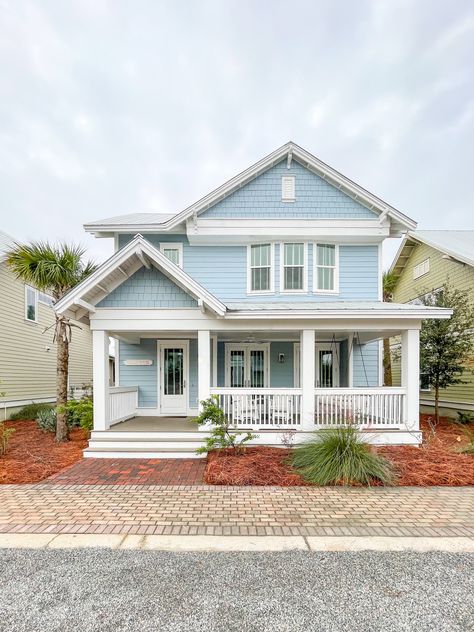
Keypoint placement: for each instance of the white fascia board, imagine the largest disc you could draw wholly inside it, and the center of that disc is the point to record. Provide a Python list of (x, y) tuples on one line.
[(139, 244), (435, 312), (109, 230)]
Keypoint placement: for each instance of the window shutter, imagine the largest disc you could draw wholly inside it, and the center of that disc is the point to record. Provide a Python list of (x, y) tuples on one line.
[(288, 188)]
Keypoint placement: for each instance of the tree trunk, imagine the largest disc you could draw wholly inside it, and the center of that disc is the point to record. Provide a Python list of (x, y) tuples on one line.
[(62, 368), (437, 403), (387, 363)]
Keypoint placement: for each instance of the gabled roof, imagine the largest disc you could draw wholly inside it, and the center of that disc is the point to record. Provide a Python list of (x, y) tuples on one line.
[(122, 265), (289, 151), (457, 244)]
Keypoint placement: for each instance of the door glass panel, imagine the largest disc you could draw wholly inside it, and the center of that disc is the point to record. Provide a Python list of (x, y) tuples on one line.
[(257, 368), (237, 368), (173, 372), (326, 368)]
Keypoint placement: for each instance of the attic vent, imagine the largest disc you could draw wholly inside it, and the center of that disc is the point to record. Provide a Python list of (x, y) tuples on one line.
[(288, 188), (421, 269)]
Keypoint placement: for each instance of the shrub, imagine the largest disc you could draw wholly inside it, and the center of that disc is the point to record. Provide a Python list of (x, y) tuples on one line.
[(80, 412), (469, 447), (339, 455), (46, 420), (30, 411), (221, 436), (464, 417), (5, 434)]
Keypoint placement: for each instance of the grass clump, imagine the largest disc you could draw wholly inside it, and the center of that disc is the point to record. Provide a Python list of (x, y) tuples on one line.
[(30, 411), (340, 456)]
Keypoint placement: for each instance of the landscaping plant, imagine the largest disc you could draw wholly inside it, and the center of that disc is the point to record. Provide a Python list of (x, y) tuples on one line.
[(222, 435), (46, 419), (30, 411), (80, 412), (340, 456), (55, 270), (5, 434)]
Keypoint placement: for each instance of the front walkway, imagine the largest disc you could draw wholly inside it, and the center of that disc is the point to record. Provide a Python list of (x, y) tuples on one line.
[(200, 509)]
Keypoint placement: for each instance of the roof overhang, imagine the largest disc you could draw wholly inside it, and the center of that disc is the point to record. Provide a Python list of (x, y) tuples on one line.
[(400, 222), (82, 300)]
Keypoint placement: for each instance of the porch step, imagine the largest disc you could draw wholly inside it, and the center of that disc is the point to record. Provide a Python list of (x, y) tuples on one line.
[(120, 452), (145, 445)]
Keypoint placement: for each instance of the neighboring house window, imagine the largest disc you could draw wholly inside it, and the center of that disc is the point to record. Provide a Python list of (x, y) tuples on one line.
[(260, 268), (424, 382), (31, 304), (46, 299), (421, 269), (288, 188), (173, 252), (326, 273), (293, 271)]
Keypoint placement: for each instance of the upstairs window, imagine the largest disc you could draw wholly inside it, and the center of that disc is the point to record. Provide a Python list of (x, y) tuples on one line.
[(46, 299), (31, 304), (288, 188), (173, 252), (294, 268), (421, 269), (326, 268), (260, 272)]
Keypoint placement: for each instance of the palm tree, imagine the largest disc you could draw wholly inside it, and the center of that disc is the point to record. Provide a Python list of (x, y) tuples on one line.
[(54, 270), (389, 282)]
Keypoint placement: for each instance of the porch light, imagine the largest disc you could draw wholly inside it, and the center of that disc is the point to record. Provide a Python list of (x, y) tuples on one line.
[(281, 358)]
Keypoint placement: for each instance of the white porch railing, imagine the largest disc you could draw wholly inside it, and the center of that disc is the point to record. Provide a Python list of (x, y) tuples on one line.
[(366, 407), (262, 408), (123, 402)]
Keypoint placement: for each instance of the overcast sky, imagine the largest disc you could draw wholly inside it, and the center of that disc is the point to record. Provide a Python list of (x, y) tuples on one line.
[(116, 107)]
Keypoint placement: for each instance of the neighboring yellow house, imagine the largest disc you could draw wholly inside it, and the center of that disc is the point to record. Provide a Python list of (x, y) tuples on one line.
[(27, 355), (425, 261)]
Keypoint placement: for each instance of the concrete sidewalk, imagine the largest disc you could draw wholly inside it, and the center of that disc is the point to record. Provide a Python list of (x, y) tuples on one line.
[(237, 511)]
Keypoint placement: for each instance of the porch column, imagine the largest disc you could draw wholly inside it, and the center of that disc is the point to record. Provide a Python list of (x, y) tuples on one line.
[(410, 362), (307, 378), (100, 374), (204, 365)]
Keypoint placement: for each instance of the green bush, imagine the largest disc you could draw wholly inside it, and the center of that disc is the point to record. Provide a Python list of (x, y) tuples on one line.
[(464, 417), (80, 412), (46, 420), (340, 455), (5, 434), (30, 411)]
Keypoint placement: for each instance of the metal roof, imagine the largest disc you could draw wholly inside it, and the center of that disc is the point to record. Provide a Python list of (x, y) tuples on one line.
[(322, 306), (134, 218)]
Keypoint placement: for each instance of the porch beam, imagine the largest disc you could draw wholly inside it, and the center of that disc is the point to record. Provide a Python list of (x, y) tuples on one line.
[(204, 365), (307, 353), (100, 372), (410, 361)]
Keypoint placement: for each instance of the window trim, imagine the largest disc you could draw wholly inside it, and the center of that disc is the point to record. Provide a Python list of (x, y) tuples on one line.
[(316, 290), (165, 245), (288, 199), (49, 302), (272, 269), (282, 268), (25, 314)]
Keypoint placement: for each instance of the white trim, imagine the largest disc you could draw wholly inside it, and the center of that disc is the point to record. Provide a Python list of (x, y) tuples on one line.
[(25, 307), (336, 268), (380, 269), (350, 360), (381, 368), (161, 344), (214, 361), (116, 242), (304, 290), (168, 245), (272, 269), (421, 269), (247, 347)]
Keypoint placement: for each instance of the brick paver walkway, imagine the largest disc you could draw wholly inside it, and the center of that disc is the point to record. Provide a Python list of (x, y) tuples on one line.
[(200, 509), (132, 472)]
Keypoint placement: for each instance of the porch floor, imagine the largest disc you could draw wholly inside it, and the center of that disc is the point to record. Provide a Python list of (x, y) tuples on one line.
[(156, 424)]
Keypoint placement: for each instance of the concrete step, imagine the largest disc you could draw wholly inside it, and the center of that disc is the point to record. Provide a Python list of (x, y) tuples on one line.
[(122, 452)]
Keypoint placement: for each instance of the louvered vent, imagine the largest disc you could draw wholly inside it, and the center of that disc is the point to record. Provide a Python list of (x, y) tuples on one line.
[(288, 188)]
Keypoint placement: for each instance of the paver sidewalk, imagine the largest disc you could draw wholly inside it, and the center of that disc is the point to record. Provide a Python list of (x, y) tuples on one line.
[(199, 509)]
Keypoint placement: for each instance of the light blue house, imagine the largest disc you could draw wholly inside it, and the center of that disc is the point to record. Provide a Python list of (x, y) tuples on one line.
[(267, 293)]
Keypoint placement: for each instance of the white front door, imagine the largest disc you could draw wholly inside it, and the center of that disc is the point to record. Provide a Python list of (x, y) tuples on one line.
[(327, 364), (247, 365), (174, 378)]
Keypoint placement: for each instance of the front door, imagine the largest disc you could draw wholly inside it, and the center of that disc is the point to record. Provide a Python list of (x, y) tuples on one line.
[(327, 365), (247, 365), (173, 378)]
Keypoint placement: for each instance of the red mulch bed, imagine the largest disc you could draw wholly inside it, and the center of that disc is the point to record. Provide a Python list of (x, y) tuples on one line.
[(434, 463), (33, 455)]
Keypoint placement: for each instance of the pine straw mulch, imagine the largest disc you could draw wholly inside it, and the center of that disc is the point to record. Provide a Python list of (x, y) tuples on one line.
[(436, 462), (33, 455)]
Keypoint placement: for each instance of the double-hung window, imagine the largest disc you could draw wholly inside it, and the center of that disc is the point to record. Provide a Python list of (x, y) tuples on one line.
[(173, 252), (326, 273), (293, 269), (31, 304), (260, 273)]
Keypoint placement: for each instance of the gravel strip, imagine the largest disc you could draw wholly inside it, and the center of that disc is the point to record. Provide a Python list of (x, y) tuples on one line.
[(292, 591)]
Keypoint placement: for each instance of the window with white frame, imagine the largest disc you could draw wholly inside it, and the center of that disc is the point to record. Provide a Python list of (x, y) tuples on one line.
[(173, 252), (46, 299), (31, 304), (421, 269), (260, 264), (326, 268), (288, 188), (293, 278)]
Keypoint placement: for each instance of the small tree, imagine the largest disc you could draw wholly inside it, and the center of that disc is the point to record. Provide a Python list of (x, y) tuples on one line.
[(389, 283), (55, 270), (445, 345)]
